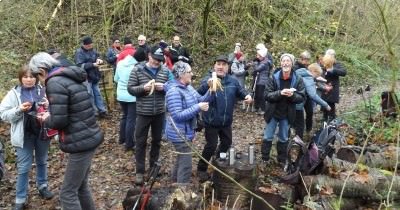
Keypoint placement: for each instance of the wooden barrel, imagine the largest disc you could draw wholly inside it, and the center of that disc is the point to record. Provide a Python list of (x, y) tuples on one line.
[(242, 172)]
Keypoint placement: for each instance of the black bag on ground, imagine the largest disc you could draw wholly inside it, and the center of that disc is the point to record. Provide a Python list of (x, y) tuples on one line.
[(307, 159)]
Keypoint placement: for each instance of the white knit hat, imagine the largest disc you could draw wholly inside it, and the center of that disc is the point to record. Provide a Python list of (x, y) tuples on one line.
[(262, 52), (260, 46)]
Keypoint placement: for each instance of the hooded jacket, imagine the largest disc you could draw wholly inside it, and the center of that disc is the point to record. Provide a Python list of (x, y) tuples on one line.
[(121, 77), (310, 88), (71, 111)]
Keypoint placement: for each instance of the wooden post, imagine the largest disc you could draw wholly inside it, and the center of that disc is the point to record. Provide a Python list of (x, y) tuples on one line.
[(107, 86)]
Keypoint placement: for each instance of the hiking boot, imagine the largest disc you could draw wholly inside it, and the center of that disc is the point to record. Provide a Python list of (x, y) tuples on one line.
[(45, 193), (19, 206), (202, 176), (281, 148), (139, 179), (266, 149)]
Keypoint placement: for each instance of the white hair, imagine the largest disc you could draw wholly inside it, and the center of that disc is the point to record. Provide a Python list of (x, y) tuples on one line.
[(42, 60), (330, 52), (305, 55)]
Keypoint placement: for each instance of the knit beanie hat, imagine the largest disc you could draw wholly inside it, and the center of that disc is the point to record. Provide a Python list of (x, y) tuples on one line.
[(262, 52), (260, 46), (180, 68), (290, 56), (87, 40)]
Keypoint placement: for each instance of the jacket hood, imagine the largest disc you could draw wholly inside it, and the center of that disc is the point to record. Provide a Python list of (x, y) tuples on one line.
[(73, 72), (127, 61)]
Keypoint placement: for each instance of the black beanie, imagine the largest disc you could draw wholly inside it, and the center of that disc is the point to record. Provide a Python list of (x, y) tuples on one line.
[(87, 40)]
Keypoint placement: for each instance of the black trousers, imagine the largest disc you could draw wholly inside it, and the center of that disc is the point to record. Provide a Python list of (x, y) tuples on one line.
[(330, 115), (259, 99), (309, 109), (143, 124), (211, 134)]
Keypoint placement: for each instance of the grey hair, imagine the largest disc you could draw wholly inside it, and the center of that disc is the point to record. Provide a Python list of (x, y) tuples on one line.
[(305, 55), (180, 68), (42, 60), (290, 56)]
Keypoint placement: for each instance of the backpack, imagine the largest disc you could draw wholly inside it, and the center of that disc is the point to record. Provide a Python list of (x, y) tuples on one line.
[(2, 166), (307, 159)]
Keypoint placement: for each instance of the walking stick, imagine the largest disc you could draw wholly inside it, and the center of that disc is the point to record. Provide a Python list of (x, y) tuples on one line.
[(253, 92)]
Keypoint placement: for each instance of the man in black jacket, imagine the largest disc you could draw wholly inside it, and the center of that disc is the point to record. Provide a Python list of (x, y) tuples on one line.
[(72, 114), (146, 82), (178, 52), (282, 93)]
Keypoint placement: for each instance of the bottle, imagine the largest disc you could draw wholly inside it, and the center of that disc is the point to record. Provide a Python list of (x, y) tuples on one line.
[(231, 156), (251, 153)]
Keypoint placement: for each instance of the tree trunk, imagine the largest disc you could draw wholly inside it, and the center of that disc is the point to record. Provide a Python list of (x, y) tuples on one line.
[(330, 202), (382, 158)]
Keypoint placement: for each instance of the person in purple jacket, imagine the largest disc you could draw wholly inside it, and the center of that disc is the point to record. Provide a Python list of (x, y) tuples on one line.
[(183, 104)]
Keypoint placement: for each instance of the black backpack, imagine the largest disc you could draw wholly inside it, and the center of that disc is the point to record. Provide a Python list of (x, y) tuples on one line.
[(389, 101), (307, 159)]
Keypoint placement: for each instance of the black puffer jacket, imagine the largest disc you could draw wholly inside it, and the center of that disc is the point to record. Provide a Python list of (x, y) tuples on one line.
[(146, 104), (71, 111)]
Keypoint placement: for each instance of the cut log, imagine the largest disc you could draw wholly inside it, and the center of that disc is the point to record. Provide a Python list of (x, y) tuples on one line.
[(368, 186), (384, 158)]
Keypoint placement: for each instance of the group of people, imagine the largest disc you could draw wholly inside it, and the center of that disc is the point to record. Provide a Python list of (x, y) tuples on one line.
[(154, 91)]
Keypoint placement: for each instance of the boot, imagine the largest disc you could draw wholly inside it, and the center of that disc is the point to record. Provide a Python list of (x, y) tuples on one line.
[(266, 149), (281, 148)]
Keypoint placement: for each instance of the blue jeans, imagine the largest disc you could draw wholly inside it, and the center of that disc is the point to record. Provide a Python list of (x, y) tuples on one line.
[(127, 123), (97, 99), (24, 165), (283, 132), (182, 171)]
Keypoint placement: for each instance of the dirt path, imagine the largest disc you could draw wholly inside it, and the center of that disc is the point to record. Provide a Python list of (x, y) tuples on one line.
[(113, 168)]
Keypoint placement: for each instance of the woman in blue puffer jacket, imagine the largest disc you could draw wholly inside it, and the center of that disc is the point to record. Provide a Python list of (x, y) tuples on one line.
[(183, 104)]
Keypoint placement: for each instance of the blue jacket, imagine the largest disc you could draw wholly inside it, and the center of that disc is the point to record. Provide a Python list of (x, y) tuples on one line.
[(220, 113), (311, 90), (111, 56), (262, 71), (182, 103), (85, 59), (121, 77)]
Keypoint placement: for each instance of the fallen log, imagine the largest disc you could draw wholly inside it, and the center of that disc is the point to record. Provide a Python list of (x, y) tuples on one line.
[(372, 187), (384, 158), (330, 202)]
